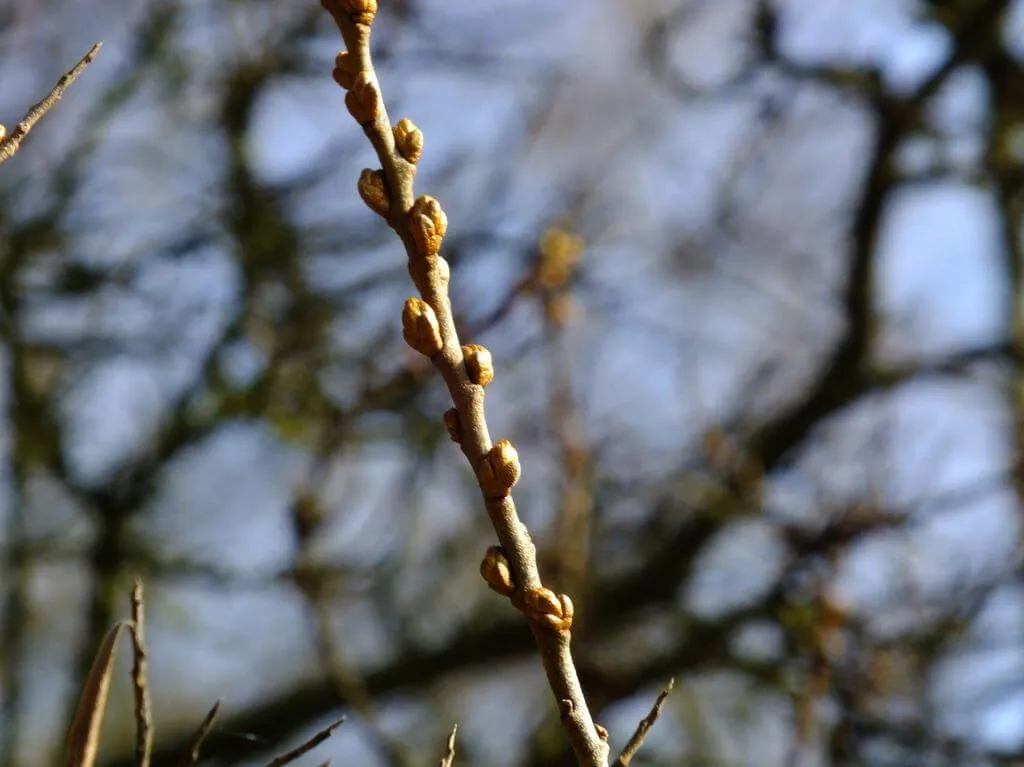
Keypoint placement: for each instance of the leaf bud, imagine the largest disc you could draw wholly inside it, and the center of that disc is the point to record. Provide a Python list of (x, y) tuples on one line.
[(429, 225), (496, 571), (373, 190), (344, 72), (550, 609), (359, 11), (479, 364), (363, 99), (499, 470), (420, 327), (408, 140)]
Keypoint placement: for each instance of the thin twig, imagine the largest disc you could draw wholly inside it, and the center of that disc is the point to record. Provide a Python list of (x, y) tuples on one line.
[(308, 746), (644, 727), (429, 327), (140, 681), (449, 755), (11, 143), (192, 757)]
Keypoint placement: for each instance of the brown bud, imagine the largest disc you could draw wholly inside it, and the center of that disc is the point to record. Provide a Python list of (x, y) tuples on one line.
[(409, 140), (550, 609), (344, 72), (363, 99), (373, 190), (429, 225), (602, 732), (479, 364), (499, 470), (451, 423), (497, 572), (359, 11), (420, 328)]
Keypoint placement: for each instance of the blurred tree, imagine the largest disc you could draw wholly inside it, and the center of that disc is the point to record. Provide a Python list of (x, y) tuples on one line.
[(766, 387)]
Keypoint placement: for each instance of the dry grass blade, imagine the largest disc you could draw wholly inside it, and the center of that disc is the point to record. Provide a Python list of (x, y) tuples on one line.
[(197, 740), (449, 755), (140, 682), (644, 727), (308, 746), (84, 737)]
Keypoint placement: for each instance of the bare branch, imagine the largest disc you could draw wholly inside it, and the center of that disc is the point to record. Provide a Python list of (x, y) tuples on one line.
[(10, 144), (140, 681), (308, 746), (429, 328), (197, 740), (644, 727)]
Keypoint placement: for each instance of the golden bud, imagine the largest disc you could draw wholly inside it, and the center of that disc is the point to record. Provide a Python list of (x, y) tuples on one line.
[(409, 140), (420, 328), (479, 364), (451, 423), (3, 132), (359, 11), (499, 470), (497, 572), (373, 190), (552, 610), (602, 732), (344, 72), (363, 99), (429, 225)]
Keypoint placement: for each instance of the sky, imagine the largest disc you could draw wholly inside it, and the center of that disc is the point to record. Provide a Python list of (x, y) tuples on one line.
[(658, 167)]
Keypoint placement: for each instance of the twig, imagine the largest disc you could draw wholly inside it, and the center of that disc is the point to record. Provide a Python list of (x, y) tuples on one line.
[(644, 727), (140, 681), (449, 755), (10, 144), (308, 746), (429, 328), (192, 757)]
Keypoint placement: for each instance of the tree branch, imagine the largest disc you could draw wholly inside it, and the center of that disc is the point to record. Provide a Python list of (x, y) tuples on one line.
[(10, 144), (429, 328)]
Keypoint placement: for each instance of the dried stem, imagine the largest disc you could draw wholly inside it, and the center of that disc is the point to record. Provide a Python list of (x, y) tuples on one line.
[(10, 144), (192, 757), (430, 329), (449, 754), (644, 727), (140, 681), (308, 746)]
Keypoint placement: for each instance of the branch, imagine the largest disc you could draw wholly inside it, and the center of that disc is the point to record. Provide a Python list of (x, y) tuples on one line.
[(194, 746), (308, 746), (140, 681), (429, 328), (10, 145), (644, 727)]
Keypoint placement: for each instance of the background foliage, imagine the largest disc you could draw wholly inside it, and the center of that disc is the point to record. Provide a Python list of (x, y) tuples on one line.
[(769, 414)]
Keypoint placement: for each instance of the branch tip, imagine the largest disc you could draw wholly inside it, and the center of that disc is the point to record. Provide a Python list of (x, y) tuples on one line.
[(644, 727)]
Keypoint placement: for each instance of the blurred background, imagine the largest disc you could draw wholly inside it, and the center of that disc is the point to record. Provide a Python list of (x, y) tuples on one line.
[(751, 272)]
